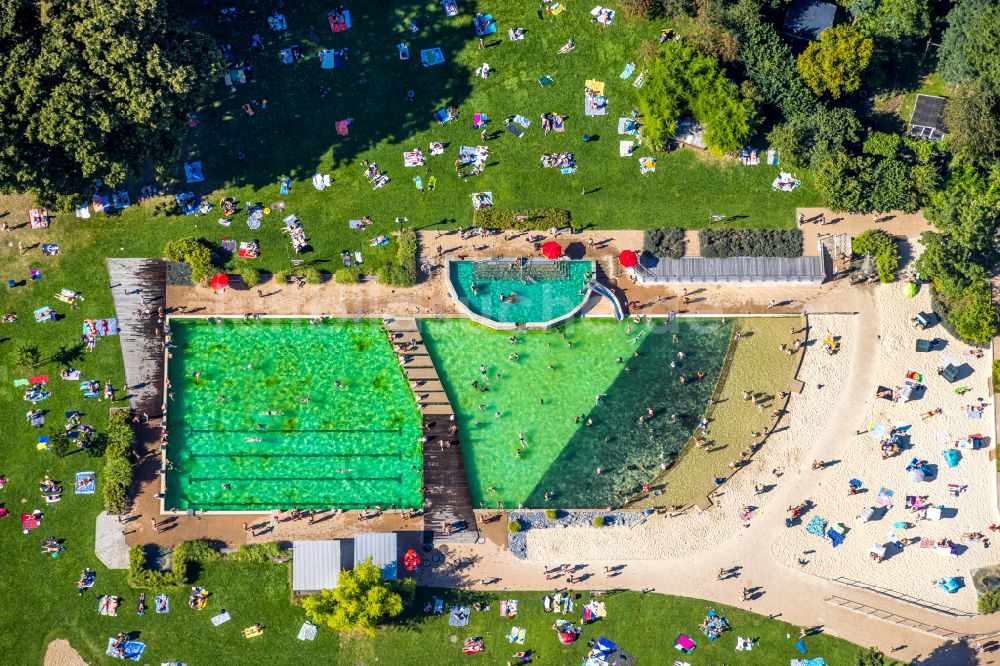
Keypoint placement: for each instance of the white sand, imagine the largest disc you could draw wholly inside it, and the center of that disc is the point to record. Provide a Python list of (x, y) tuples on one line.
[(61, 653), (665, 538), (913, 570)]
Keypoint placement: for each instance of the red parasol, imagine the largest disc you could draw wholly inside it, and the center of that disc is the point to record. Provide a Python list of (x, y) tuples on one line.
[(552, 250), (628, 259), (219, 281), (411, 560)]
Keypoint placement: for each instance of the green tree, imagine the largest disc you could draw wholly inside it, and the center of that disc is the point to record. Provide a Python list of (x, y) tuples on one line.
[(896, 19), (971, 116), (953, 54), (842, 180), (362, 600), (833, 64), (768, 61), (684, 80), (93, 89), (869, 657), (27, 356), (808, 140), (983, 48)]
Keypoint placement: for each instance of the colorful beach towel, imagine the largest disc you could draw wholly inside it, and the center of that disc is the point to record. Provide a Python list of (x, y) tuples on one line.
[(86, 483), (131, 650)]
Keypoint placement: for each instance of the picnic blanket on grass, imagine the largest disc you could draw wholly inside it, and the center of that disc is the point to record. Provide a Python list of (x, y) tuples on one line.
[(307, 632), (459, 617), (431, 57), (162, 603), (100, 327), (131, 650), (221, 618), (86, 483)]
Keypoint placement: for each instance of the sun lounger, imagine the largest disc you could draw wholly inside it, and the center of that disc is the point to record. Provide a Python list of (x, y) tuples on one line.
[(221, 618), (307, 632)]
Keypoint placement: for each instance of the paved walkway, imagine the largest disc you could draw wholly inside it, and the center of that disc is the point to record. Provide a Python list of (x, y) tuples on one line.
[(109, 542)]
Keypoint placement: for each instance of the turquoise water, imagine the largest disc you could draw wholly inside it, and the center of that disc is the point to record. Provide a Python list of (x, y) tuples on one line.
[(560, 454), (558, 289), (346, 447)]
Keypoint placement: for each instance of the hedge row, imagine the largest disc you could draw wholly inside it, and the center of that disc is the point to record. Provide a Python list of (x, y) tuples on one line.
[(188, 553), (724, 243), (194, 251), (117, 474), (530, 219), (664, 243), (403, 271)]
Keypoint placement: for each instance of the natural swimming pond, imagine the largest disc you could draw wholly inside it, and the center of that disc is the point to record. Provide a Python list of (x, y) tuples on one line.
[(575, 404), (279, 413), (516, 291)]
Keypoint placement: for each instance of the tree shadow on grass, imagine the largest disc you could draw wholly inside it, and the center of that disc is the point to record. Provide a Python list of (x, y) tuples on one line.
[(295, 133)]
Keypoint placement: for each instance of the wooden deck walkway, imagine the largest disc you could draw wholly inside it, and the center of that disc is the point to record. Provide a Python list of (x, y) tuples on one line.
[(138, 284), (447, 500)]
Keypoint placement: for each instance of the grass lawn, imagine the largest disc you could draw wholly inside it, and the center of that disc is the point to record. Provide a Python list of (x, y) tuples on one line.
[(644, 625), (932, 84)]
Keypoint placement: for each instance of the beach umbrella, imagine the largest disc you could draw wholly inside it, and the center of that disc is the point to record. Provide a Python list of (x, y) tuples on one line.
[(219, 281), (411, 560), (552, 250), (628, 259)]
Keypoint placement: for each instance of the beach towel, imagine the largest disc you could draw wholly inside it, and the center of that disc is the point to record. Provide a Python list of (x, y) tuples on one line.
[(479, 120), (50, 249), (431, 183), (121, 200), (247, 250), (100, 327), (356, 224), (342, 126), (418, 183), (484, 24), (595, 106), (450, 7), (836, 538), (603, 16), (44, 313), (307, 632), (100, 203), (331, 59), (647, 165), (772, 157), (459, 617), (522, 121), (801, 646), (162, 603), (442, 116), (744, 644), (29, 521), (82, 212), (545, 81), (106, 606), (558, 125), (192, 172), (627, 72), (221, 618), (482, 200), (817, 526), (567, 170), (431, 57), (685, 644), (785, 182), (438, 606), (86, 483), (379, 240), (21, 382), (514, 129), (131, 650), (285, 185), (39, 379), (339, 21)]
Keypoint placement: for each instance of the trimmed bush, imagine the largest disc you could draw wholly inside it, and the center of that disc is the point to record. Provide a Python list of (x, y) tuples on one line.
[(724, 243), (664, 243), (248, 274), (199, 550), (598, 521), (883, 247), (551, 514), (194, 251), (514, 526), (117, 473), (257, 553), (350, 275), (989, 602), (281, 277), (312, 275), (528, 219), (403, 271)]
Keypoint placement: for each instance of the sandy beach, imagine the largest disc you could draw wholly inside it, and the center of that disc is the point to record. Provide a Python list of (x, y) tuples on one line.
[(662, 537), (913, 569)]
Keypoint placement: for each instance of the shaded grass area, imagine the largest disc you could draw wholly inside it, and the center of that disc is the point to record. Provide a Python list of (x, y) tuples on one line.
[(756, 366)]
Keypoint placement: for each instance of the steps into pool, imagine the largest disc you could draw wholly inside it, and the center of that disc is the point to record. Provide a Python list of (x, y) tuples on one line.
[(447, 499)]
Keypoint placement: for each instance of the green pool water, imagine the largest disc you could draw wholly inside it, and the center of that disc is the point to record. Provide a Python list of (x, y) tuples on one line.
[(560, 455), (346, 447), (558, 288)]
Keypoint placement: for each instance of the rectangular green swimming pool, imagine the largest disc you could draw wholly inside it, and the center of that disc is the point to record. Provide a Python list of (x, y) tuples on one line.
[(279, 413)]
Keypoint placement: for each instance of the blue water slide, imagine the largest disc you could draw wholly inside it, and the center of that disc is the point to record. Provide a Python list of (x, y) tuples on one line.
[(608, 294)]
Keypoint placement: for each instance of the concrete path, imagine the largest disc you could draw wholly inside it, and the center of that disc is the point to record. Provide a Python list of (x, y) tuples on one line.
[(109, 542)]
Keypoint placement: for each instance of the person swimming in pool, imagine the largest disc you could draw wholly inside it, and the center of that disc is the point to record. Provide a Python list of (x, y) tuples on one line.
[(272, 412), (251, 439)]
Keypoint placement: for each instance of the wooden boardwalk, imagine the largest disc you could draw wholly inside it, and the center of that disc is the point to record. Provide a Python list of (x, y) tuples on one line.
[(447, 500), (138, 284)]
